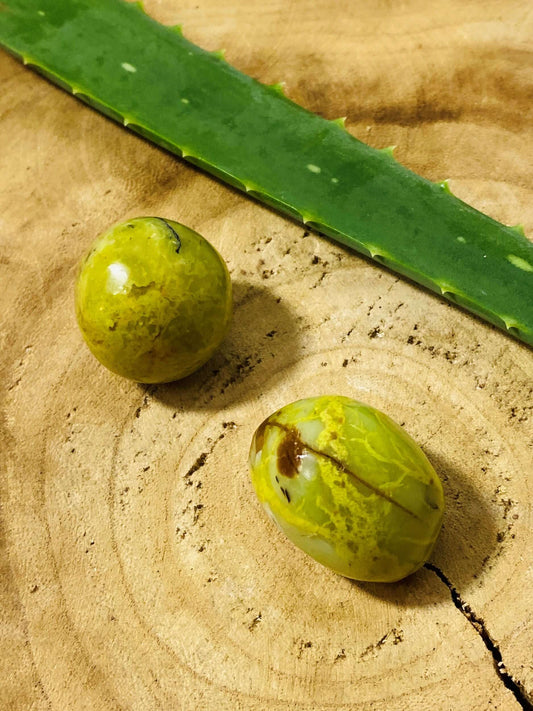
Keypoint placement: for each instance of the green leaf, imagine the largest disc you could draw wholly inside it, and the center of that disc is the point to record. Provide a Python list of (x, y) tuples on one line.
[(113, 56)]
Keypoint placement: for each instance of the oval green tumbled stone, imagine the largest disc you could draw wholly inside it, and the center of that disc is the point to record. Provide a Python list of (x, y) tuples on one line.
[(153, 300), (348, 486)]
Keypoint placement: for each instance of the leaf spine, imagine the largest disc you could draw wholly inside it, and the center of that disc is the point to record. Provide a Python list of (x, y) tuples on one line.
[(389, 151), (446, 289), (445, 186), (519, 229), (374, 252), (510, 324), (220, 54), (341, 121), (278, 87)]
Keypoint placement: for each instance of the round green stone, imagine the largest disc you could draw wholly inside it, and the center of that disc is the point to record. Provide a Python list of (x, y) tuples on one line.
[(348, 486), (153, 300)]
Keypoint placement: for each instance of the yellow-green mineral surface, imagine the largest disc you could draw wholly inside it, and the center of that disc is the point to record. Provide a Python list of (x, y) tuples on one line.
[(153, 300), (348, 486)]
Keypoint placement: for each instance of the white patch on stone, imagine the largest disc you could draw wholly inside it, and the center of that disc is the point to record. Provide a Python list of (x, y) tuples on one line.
[(117, 277), (308, 466)]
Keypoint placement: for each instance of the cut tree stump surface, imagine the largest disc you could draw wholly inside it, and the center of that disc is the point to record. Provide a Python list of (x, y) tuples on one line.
[(138, 568)]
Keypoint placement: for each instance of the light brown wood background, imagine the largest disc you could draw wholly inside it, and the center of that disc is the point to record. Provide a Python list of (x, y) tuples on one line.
[(137, 568)]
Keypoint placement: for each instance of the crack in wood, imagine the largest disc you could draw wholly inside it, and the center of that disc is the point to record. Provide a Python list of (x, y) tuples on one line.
[(515, 687)]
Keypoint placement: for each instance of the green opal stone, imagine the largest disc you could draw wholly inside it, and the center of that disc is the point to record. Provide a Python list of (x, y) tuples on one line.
[(348, 486), (153, 300)]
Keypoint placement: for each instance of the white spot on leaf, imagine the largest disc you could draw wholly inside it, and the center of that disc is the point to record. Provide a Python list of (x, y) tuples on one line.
[(128, 67), (461, 240), (520, 263), (314, 168)]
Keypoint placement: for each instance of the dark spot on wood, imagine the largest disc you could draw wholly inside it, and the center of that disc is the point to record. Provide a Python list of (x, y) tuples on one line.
[(197, 508), (289, 453), (197, 464), (253, 624)]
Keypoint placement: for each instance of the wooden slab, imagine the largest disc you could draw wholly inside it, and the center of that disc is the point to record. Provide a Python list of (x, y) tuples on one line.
[(138, 569)]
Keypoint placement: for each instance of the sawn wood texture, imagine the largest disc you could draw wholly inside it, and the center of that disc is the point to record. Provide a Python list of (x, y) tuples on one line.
[(138, 571)]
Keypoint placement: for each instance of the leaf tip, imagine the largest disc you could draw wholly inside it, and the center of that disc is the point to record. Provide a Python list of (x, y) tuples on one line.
[(178, 29)]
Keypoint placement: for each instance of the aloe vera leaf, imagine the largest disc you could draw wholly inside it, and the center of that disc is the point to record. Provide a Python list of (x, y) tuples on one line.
[(111, 55)]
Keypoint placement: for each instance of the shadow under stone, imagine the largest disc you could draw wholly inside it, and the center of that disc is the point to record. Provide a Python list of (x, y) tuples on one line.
[(466, 544), (263, 338)]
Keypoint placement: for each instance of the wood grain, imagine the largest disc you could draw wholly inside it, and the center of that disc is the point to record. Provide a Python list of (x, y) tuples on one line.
[(138, 570)]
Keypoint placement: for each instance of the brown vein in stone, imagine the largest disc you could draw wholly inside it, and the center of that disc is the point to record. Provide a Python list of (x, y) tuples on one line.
[(293, 433)]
